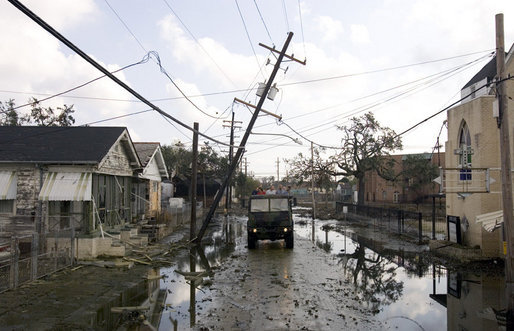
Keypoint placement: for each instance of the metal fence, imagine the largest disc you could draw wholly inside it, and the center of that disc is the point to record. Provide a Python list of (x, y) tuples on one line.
[(25, 258), (405, 222)]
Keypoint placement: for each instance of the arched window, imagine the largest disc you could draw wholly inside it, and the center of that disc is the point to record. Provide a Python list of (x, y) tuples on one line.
[(465, 152)]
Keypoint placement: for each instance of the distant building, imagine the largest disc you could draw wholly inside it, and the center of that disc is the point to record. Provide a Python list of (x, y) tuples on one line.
[(402, 189), (473, 143)]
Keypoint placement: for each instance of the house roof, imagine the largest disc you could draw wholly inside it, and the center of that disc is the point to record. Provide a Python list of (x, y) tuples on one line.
[(489, 71), (145, 151), (64, 145)]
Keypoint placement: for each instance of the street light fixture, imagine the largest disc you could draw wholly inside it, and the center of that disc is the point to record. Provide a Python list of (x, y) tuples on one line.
[(296, 140)]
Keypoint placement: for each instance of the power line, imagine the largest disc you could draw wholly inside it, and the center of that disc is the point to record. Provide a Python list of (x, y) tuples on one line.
[(264, 23), (197, 42), (382, 70), (248, 36), (301, 27), (77, 50), (237, 90), (285, 15), (126, 26), (144, 60), (158, 61)]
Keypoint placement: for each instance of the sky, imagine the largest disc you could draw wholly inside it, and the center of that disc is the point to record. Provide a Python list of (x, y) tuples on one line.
[(403, 60)]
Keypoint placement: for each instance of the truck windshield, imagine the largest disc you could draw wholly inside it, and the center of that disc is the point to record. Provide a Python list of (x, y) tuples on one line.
[(279, 205), (260, 205)]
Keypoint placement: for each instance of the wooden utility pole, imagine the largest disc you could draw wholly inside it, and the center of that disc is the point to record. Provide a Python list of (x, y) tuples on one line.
[(312, 183), (194, 171), (228, 199), (278, 170), (242, 144), (503, 122)]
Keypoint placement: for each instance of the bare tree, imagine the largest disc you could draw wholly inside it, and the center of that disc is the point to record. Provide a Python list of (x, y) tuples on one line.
[(366, 146)]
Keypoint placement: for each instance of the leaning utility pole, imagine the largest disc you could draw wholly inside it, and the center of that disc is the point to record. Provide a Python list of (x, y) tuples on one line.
[(242, 145), (503, 123)]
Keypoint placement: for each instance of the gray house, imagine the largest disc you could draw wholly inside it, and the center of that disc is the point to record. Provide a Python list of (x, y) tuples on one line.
[(62, 177)]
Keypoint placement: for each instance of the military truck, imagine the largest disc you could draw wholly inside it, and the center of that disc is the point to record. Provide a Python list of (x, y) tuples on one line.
[(270, 217)]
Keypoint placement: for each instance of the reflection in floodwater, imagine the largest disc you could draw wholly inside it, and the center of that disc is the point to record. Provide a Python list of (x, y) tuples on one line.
[(405, 291), (137, 308), (188, 282)]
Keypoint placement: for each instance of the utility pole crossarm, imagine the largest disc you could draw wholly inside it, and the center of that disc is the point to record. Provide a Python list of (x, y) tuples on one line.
[(253, 106), (290, 57)]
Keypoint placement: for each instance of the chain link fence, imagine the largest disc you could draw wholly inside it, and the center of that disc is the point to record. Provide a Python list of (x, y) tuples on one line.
[(26, 255)]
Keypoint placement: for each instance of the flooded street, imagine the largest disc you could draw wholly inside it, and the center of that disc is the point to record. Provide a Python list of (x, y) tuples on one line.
[(333, 278), (340, 275)]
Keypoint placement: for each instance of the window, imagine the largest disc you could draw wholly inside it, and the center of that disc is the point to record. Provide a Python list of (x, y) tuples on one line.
[(384, 195), (6, 206), (260, 205), (396, 197), (465, 152), (279, 204)]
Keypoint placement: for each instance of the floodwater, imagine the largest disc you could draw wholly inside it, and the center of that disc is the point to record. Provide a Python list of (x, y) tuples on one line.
[(404, 292), (399, 287)]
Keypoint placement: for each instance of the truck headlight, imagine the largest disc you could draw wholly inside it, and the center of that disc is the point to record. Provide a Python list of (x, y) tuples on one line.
[(285, 229), (254, 230)]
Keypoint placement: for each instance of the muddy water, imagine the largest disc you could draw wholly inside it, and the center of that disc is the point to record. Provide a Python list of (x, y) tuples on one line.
[(404, 292), (393, 281), (189, 294)]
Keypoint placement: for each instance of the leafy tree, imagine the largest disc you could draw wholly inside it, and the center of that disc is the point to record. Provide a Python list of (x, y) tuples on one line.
[(365, 147), (245, 184), (38, 115)]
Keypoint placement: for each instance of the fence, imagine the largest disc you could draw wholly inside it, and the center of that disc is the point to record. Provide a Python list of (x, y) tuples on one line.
[(24, 258), (400, 221)]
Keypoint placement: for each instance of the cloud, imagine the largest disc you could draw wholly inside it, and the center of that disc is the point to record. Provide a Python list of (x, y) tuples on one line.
[(359, 34), (330, 28), (33, 61)]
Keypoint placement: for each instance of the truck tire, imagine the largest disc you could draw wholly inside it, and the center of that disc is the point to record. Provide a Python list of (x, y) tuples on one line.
[(251, 242), (290, 240)]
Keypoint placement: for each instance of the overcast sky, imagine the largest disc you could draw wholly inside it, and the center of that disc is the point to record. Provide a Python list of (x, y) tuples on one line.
[(402, 60)]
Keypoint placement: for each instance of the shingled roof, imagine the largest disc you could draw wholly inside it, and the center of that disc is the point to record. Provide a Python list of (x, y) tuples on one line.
[(145, 151), (63, 145)]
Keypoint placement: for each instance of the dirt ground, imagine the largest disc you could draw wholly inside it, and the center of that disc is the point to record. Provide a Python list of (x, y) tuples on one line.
[(77, 298), (273, 288)]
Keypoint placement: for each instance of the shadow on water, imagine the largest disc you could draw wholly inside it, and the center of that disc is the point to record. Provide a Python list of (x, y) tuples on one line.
[(404, 289), (187, 283), (137, 308)]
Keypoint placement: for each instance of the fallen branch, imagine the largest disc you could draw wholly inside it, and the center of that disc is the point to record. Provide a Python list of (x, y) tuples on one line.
[(136, 260), (129, 308)]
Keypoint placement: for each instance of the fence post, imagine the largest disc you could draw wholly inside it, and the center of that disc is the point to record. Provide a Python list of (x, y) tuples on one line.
[(15, 254), (34, 255), (399, 221), (420, 227), (72, 253), (433, 218), (56, 236)]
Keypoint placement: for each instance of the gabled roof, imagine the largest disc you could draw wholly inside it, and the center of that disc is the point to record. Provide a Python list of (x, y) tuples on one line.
[(489, 71), (146, 151), (62, 145)]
